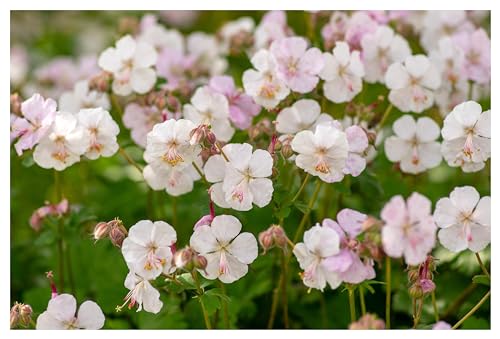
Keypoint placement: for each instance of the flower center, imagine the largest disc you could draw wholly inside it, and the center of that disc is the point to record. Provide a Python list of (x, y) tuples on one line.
[(172, 156)]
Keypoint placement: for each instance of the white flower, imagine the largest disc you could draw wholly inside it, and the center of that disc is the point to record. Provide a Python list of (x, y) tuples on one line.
[(343, 72), (233, 28), (414, 146), (147, 248), (439, 24), (412, 83), (168, 145), (358, 146), (60, 315), (228, 252), (322, 153), (101, 130), (130, 62), (175, 182), (380, 50), (211, 108), (466, 133), (464, 219), (159, 37), (207, 51), (141, 294), (242, 180), (82, 97), (304, 114), (263, 84), (63, 145), (319, 244)]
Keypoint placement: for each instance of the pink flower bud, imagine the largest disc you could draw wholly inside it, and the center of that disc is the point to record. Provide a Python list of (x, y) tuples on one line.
[(101, 230), (205, 220), (368, 322), (15, 315), (25, 314), (200, 262), (279, 236), (266, 240), (427, 286), (117, 234), (15, 103)]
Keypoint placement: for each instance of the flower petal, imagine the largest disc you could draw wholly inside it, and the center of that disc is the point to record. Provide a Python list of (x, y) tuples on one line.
[(90, 316), (62, 307), (465, 198), (225, 228), (203, 240), (244, 248)]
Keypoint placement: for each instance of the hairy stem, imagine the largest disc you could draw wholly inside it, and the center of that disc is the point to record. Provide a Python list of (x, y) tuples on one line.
[(485, 271), (473, 310), (384, 117), (60, 231), (416, 318), (225, 312), (304, 182), (362, 300), (387, 292), (274, 303), (352, 304)]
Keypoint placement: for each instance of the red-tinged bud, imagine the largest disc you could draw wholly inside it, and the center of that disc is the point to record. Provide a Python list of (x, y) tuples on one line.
[(101, 82), (427, 286), (15, 103), (286, 151), (15, 315), (416, 291), (369, 223), (101, 230), (279, 236), (266, 240), (184, 258), (200, 262), (117, 234)]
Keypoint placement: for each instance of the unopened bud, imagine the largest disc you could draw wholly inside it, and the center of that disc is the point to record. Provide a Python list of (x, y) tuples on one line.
[(15, 315), (279, 235), (184, 258), (15, 104), (416, 291), (25, 314), (101, 230), (413, 275), (200, 262), (369, 223), (117, 234), (427, 286), (275, 171), (287, 151), (266, 240)]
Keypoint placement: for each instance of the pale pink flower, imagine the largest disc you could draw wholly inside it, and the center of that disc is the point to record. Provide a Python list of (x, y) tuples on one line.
[(131, 63), (242, 108), (438, 24), (228, 252), (147, 248), (464, 219), (358, 25), (174, 181), (81, 97), (319, 244), (322, 153), (368, 322), (241, 181), (414, 146), (477, 51), (412, 83), (304, 114), (358, 145), (141, 119), (38, 116), (180, 18), (18, 65), (174, 65), (101, 132), (61, 315), (263, 84), (41, 213), (297, 65), (343, 72), (158, 36), (142, 294), (441, 325), (207, 52), (272, 27), (335, 29), (380, 49), (467, 137), (409, 229), (347, 263)]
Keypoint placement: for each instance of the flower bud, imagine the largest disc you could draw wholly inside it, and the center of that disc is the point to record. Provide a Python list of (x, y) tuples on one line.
[(101, 230), (15, 103), (25, 314), (266, 240), (15, 315), (427, 286), (286, 151), (279, 236), (184, 258), (200, 262), (205, 220), (117, 234), (416, 291), (413, 275)]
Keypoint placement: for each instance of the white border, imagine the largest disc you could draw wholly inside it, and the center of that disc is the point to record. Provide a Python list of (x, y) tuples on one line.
[(228, 5)]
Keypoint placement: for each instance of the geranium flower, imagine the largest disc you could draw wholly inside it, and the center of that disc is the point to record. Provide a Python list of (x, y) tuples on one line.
[(81, 97), (272, 27), (409, 229), (130, 62), (380, 49), (476, 47), (241, 181), (319, 244), (438, 24), (347, 263), (414, 146), (263, 84), (63, 145), (60, 315), (210, 108), (142, 294), (147, 248), (464, 219), (101, 130), (141, 119), (175, 182), (207, 53), (322, 153), (38, 116), (412, 83), (466, 133), (168, 145), (242, 108), (228, 252), (296, 65), (304, 114), (343, 72)]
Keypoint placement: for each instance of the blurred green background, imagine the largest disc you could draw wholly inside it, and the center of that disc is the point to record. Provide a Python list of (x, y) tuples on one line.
[(109, 187)]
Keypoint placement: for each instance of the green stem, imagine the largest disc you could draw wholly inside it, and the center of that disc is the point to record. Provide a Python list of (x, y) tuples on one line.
[(459, 301), (274, 303), (473, 310), (485, 271), (352, 304), (304, 182), (300, 229), (225, 312), (362, 300), (387, 292), (129, 159), (200, 172), (434, 305), (416, 318), (384, 117), (70, 271), (284, 294), (194, 274)]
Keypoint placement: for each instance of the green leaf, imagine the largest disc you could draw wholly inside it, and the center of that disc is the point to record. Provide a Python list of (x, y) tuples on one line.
[(481, 279), (187, 281), (301, 207), (211, 302), (218, 293)]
